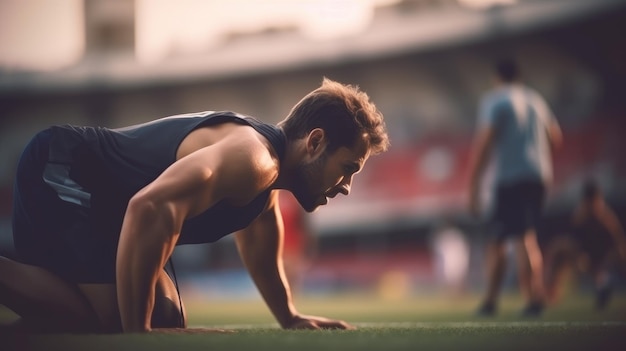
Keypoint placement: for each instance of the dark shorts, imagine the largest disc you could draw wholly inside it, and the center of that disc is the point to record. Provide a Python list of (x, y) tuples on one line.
[(55, 234), (517, 208)]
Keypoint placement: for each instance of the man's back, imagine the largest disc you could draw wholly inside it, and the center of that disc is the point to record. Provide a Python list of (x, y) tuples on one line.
[(521, 119), (108, 166)]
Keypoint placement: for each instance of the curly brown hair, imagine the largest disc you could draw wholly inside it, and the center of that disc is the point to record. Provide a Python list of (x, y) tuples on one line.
[(345, 113)]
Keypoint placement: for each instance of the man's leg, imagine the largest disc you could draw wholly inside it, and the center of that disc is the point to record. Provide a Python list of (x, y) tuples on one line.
[(524, 274), (534, 259), (168, 310), (559, 264), (496, 267), (603, 277), (43, 300), (47, 303)]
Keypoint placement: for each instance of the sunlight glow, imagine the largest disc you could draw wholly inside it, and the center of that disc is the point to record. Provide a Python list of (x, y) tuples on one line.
[(41, 35), (482, 4), (165, 27)]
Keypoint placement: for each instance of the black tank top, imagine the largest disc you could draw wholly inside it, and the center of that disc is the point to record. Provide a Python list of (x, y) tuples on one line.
[(108, 166)]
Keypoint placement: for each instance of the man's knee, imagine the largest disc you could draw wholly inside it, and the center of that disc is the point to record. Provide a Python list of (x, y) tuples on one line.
[(167, 314), (169, 311)]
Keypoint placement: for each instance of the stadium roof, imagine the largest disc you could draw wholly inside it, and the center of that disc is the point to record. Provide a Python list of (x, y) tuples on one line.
[(393, 31)]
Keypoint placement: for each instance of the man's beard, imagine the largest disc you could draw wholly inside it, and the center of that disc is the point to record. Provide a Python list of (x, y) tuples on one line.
[(307, 178)]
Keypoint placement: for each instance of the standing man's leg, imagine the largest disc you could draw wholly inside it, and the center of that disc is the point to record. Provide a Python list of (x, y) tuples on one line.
[(535, 258), (496, 267), (530, 266), (531, 198), (524, 274), (496, 251)]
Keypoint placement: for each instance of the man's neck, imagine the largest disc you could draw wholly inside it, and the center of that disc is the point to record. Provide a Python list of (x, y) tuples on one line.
[(294, 153)]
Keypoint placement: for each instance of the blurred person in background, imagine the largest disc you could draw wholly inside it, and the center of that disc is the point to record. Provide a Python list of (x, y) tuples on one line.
[(596, 245), (98, 211), (452, 255), (516, 130), (299, 244)]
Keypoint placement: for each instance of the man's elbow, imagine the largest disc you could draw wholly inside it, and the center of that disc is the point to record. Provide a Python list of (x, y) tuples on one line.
[(141, 205), (145, 212), (557, 141), (556, 137)]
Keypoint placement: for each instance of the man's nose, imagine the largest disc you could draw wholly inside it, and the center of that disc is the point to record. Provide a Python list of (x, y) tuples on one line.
[(344, 187)]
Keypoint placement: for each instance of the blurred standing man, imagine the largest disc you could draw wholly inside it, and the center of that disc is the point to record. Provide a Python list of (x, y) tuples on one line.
[(98, 211), (516, 129)]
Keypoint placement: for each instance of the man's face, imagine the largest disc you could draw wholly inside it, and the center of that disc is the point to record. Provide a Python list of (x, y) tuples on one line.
[(328, 175)]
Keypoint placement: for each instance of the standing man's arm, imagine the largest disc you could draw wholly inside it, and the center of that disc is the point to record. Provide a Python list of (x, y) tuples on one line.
[(555, 135), (481, 149), (260, 248), (553, 130)]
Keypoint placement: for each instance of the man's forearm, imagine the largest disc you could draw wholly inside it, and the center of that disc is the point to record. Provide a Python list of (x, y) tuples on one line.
[(275, 292), (145, 244), (263, 261), (135, 292), (259, 248)]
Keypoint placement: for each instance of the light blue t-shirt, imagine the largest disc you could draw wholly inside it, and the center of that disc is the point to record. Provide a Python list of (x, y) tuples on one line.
[(521, 149)]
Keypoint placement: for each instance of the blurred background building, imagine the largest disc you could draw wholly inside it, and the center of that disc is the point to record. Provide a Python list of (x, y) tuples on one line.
[(425, 63)]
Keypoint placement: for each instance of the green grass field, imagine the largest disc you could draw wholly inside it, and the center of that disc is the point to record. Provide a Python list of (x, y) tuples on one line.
[(415, 323)]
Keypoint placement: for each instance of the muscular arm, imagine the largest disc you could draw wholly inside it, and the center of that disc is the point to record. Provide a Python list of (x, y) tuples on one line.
[(229, 170), (260, 247)]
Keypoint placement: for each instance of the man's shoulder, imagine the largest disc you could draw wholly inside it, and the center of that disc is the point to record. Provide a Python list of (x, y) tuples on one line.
[(248, 163), (496, 99), (248, 143), (495, 96)]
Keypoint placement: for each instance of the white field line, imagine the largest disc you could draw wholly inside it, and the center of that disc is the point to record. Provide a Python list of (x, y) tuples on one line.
[(481, 324), (433, 325)]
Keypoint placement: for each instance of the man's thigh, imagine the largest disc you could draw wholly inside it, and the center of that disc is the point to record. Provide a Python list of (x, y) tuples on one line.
[(103, 300), (517, 209)]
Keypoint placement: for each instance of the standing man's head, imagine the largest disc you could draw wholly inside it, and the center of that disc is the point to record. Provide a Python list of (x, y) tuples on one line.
[(338, 128), (507, 71)]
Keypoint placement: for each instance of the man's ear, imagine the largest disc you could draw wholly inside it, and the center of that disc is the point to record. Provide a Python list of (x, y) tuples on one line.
[(316, 142)]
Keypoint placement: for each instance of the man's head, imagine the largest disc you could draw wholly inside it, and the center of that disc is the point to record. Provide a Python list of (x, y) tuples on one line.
[(338, 128), (506, 70), (344, 113)]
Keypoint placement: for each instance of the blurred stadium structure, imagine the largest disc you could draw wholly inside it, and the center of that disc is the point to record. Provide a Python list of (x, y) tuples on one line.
[(424, 62)]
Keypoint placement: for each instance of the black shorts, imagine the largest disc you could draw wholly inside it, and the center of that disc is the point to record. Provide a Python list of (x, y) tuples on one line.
[(517, 208), (55, 234)]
